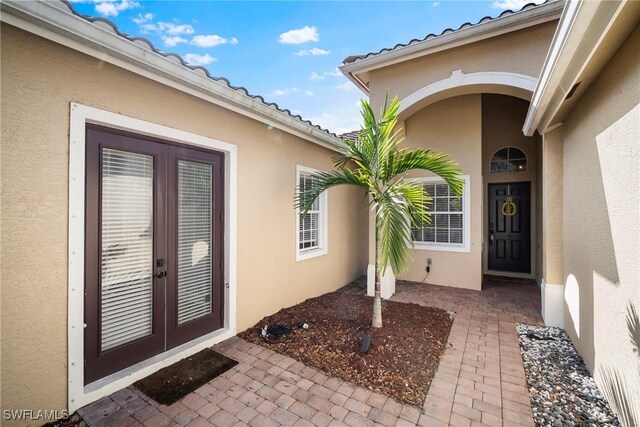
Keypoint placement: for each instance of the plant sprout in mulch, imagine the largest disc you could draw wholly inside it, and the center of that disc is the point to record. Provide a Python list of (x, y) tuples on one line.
[(403, 355)]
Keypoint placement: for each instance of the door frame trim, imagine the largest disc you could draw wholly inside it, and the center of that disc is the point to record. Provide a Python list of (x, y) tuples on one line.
[(80, 115)]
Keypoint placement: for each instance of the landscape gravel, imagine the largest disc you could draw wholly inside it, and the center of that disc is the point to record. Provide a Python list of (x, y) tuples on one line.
[(562, 391)]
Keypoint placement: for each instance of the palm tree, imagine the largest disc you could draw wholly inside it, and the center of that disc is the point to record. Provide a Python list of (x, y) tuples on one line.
[(380, 168)]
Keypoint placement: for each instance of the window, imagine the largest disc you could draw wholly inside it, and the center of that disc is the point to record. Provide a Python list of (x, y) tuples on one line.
[(449, 227), (509, 159), (311, 227)]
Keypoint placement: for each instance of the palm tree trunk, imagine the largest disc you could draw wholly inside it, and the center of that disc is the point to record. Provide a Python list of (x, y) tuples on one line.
[(377, 302)]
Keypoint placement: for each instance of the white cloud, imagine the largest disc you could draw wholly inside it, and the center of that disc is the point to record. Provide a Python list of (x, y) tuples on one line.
[(143, 19), (512, 4), (346, 86), (315, 76), (167, 28), (113, 8), (313, 52), (107, 9), (195, 59), (339, 120), (309, 93), (174, 40), (334, 73), (302, 35), (435, 4), (212, 40), (283, 92)]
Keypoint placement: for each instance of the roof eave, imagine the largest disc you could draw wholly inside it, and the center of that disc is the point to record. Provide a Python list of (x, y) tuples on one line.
[(53, 21), (484, 30), (355, 80), (581, 31)]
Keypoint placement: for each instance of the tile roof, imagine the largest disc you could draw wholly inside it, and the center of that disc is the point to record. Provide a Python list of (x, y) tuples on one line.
[(528, 6), (351, 136), (141, 41)]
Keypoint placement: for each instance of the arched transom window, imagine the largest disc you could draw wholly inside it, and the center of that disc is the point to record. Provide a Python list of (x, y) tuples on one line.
[(509, 159)]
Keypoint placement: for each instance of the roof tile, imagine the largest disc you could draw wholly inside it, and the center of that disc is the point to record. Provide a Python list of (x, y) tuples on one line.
[(355, 58)]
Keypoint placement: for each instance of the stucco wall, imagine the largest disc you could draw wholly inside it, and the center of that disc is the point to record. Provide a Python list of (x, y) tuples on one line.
[(39, 80), (601, 225), (552, 201), (521, 52), (453, 126), (502, 119)]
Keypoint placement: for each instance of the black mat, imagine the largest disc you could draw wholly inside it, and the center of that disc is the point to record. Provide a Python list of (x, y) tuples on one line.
[(174, 382)]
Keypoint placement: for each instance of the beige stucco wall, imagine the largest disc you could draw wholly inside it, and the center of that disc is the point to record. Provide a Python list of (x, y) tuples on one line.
[(552, 202), (521, 52), (453, 126), (502, 119), (39, 80), (601, 226)]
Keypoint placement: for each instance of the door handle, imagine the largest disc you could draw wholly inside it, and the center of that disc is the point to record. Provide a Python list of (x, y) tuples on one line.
[(491, 236), (161, 274)]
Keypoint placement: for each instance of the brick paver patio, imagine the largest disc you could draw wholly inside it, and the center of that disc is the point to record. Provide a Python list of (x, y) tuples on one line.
[(480, 381)]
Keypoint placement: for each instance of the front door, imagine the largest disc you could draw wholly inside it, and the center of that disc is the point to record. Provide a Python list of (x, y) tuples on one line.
[(154, 248), (510, 227)]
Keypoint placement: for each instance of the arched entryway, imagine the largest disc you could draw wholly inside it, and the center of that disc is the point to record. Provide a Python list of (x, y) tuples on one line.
[(459, 83)]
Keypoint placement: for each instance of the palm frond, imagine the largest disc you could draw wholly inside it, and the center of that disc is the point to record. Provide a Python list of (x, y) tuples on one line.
[(418, 201), (388, 134), (354, 153), (394, 233), (379, 168), (304, 198), (402, 161)]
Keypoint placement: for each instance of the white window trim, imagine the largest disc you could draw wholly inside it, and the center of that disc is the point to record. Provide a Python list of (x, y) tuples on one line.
[(466, 226), (80, 395), (304, 254)]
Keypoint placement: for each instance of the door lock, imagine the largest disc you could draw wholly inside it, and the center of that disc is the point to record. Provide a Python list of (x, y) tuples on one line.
[(161, 274), (491, 234)]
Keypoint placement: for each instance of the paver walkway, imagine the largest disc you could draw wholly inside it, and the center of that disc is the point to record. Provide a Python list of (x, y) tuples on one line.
[(480, 380)]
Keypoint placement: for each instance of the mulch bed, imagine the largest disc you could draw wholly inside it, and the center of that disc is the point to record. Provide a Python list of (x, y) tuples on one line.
[(403, 356), (172, 383)]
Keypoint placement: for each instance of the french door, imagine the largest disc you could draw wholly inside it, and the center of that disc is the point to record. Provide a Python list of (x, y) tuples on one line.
[(154, 248)]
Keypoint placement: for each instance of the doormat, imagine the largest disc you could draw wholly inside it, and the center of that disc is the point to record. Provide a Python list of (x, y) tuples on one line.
[(174, 382)]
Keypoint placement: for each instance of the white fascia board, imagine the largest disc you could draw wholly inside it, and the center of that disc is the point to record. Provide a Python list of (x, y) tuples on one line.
[(55, 22), (497, 26), (581, 30), (355, 80)]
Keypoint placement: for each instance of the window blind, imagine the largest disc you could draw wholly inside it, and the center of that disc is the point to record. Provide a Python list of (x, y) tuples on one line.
[(126, 247), (310, 222), (194, 240), (446, 225)]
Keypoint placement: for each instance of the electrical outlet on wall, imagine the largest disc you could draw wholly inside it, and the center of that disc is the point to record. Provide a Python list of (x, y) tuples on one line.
[(428, 265)]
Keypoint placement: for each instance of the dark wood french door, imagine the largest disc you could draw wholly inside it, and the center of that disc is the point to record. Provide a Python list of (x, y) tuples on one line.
[(154, 250), (510, 227)]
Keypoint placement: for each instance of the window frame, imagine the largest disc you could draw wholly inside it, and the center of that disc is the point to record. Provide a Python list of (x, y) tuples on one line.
[(323, 223), (466, 219), (508, 159)]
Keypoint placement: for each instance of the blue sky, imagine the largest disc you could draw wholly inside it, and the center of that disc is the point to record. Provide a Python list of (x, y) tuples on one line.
[(289, 52)]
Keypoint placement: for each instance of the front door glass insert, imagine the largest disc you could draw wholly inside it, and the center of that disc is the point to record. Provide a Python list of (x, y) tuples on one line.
[(194, 240), (127, 247)]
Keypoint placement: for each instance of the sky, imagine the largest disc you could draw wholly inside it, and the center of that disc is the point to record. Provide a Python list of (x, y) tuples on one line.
[(288, 52)]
